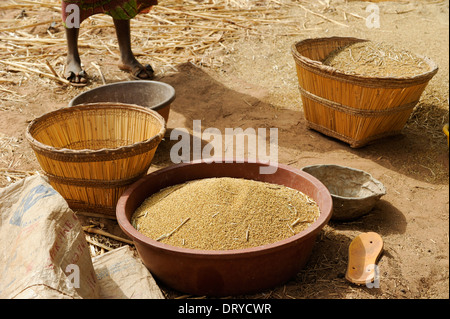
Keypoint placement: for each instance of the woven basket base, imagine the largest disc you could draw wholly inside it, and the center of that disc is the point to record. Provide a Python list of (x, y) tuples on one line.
[(79, 206), (106, 188), (352, 142)]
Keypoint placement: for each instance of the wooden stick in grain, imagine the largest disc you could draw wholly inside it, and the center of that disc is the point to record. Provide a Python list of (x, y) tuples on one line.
[(173, 231)]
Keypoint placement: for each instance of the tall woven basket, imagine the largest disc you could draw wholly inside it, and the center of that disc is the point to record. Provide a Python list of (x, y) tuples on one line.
[(352, 108), (92, 152)]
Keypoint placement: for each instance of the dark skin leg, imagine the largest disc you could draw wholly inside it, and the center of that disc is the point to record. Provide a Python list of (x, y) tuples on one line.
[(129, 62), (73, 57)]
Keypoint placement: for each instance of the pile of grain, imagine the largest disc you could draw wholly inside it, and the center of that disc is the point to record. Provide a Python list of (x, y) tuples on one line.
[(224, 213), (376, 60)]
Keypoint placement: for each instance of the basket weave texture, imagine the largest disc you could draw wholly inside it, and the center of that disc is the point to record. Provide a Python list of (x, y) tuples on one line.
[(355, 109), (92, 152)]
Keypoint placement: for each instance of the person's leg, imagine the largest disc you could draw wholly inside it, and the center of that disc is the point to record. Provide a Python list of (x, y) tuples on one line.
[(74, 73), (129, 62)]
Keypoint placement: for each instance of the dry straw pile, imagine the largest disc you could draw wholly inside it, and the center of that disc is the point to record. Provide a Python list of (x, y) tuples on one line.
[(32, 38)]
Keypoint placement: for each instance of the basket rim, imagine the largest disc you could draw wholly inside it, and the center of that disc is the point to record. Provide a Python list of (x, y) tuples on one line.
[(134, 82), (377, 81), (44, 148)]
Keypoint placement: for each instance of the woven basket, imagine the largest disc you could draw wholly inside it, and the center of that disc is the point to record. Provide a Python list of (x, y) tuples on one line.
[(352, 108), (92, 152)]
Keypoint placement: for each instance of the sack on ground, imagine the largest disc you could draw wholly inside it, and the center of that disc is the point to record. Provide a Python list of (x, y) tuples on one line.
[(44, 253), (122, 275)]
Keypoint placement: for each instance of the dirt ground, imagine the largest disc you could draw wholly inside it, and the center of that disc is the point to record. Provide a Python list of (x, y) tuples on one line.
[(255, 86)]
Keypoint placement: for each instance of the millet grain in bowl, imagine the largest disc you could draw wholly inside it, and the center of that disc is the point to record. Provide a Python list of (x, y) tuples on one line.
[(376, 59), (224, 213)]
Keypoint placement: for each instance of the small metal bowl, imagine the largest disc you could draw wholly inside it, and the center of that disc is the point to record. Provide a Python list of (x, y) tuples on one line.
[(354, 191), (155, 95)]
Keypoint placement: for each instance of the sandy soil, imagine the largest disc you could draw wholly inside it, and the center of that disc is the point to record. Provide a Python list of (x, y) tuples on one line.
[(256, 86)]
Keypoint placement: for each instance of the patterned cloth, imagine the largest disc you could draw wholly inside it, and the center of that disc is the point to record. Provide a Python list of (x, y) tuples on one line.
[(118, 9)]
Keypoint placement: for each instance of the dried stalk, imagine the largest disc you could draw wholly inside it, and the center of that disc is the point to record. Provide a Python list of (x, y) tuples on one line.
[(323, 17), (27, 26), (97, 231), (173, 231), (50, 76), (95, 65), (96, 243)]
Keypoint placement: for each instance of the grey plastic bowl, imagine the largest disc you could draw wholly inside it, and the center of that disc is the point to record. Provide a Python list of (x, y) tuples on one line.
[(154, 95), (354, 191)]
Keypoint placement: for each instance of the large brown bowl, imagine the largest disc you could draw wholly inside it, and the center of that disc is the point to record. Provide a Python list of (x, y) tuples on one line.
[(226, 272)]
